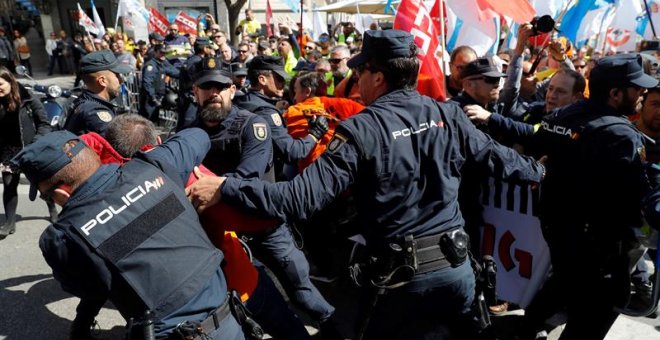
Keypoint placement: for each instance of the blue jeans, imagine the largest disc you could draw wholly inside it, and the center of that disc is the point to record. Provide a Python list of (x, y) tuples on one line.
[(272, 313), (278, 251), (431, 306)]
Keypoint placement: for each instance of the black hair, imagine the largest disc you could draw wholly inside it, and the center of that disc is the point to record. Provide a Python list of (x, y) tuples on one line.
[(400, 73)]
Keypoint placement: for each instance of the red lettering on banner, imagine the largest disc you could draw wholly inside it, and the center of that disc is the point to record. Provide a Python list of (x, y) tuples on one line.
[(503, 250), (524, 263)]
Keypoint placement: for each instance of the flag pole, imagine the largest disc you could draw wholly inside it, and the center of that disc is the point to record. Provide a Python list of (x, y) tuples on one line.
[(648, 13), (442, 34)]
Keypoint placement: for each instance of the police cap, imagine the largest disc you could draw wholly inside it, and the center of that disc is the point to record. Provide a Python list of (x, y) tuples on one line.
[(210, 70), (202, 41), (42, 159), (383, 45), (238, 69), (481, 67), (622, 69), (100, 61), (268, 63), (156, 36)]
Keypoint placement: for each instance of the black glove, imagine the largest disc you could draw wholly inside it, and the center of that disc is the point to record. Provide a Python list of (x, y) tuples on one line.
[(318, 126)]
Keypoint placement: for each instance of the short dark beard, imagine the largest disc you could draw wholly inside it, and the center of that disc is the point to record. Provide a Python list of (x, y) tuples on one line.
[(213, 113)]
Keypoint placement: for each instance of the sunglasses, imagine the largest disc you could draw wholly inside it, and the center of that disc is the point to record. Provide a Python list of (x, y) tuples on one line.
[(218, 36), (580, 66), (488, 80), (242, 51), (336, 60), (309, 47), (272, 41)]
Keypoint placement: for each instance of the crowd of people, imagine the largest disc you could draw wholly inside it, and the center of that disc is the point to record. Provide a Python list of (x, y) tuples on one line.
[(281, 133)]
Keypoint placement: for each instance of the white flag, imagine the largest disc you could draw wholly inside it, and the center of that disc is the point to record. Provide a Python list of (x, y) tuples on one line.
[(97, 19), (87, 23)]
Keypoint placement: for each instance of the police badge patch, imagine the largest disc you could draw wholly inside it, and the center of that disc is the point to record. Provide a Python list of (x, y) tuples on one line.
[(277, 120), (149, 68), (260, 131), (336, 142), (104, 116)]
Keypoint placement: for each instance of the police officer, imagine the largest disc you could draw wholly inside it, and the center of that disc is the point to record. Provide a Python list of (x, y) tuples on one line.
[(129, 235), (154, 85), (267, 77), (591, 199), (403, 154), (242, 148), (91, 112), (185, 103)]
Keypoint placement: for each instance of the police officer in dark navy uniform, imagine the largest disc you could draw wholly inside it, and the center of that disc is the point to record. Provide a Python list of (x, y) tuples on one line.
[(590, 200), (154, 85), (186, 104), (241, 147), (92, 111), (403, 155), (267, 78), (129, 235)]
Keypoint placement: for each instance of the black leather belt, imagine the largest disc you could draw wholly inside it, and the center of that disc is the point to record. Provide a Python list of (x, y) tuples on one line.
[(429, 255), (198, 331)]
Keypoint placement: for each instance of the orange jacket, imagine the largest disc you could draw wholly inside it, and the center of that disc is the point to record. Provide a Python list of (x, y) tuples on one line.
[(335, 109), (239, 271), (354, 94)]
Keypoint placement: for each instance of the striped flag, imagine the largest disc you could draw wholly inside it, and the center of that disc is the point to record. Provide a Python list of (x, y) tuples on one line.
[(86, 22), (97, 19), (413, 16)]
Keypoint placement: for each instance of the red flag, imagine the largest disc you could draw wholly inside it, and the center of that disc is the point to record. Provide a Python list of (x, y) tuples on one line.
[(412, 16), (157, 22), (269, 17), (435, 14), (520, 11), (187, 24)]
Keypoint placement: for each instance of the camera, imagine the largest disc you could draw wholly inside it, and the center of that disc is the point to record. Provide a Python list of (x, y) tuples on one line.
[(543, 24)]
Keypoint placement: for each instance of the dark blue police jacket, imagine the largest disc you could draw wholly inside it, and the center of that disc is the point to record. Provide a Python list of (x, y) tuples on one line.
[(287, 148), (595, 168), (129, 234), (89, 113), (241, 145), (404, 154)]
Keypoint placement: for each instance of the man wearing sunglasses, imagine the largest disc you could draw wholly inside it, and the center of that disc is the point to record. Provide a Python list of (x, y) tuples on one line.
[(91, 112), (481, 85)]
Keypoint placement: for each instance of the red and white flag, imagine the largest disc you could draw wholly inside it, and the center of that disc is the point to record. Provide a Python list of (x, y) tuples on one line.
[(187, 24), (86, 22), (157, 22), (269, 18), (412, 16)]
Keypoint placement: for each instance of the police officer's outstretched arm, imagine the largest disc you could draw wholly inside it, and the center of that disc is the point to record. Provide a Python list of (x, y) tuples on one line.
[(319, 184), (184, 151), (500, 161), (651, 202)]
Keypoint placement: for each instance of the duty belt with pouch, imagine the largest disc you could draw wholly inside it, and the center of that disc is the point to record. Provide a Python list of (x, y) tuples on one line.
[(190, 330), (399, 262)]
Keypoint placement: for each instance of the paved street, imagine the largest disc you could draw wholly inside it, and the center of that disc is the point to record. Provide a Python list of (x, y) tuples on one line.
[(35, 307)]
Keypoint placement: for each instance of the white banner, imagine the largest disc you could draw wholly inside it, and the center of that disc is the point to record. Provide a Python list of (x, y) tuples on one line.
[(512, 235)]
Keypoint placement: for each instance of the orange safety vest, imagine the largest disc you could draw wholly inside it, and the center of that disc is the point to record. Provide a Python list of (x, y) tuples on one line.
[(334, 109)]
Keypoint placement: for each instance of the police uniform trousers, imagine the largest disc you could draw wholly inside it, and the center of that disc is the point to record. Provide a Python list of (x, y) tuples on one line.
[(278, 251), (434, 305), (271, 312)]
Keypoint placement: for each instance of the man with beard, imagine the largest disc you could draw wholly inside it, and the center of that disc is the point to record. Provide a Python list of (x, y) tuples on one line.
[(92, 111), (595, 169)]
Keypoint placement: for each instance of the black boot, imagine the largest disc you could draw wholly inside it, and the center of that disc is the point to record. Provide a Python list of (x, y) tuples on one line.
[(8, 228)]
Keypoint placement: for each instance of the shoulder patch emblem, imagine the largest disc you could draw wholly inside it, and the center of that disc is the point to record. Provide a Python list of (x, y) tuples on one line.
[(277, 120), (104, 116), (336, 142), (149, 68), (260, 131), (642, 153)]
